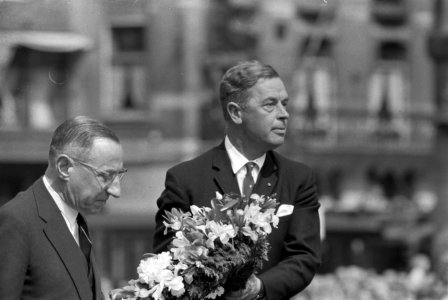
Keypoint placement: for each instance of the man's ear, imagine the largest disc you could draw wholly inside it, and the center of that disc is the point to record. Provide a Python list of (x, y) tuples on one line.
[(63, 164), (234, 111)]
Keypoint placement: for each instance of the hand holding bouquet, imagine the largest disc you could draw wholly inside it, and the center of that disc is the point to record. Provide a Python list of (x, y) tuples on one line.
[(215, 250)]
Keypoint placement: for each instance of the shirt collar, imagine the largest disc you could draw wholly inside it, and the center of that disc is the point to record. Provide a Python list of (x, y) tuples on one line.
[(238, 160), (69, 213)]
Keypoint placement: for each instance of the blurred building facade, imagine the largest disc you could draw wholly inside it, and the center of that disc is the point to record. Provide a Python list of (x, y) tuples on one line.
[(358, 73)]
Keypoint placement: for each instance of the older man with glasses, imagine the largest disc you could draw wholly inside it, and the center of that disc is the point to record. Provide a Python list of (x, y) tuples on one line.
[(45, 247)]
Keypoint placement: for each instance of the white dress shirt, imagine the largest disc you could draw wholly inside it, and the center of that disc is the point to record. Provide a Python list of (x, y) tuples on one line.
[(238, 162), (67, 212)]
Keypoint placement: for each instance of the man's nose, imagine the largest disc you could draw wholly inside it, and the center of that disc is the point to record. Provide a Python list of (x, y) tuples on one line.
[(114, 189), (282, 112)]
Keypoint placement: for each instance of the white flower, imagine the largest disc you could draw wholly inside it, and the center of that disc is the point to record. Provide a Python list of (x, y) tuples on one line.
[(218, 195), (150, 269), (142, 293), (257, 198), (265, 219), (156, 273), (175, 225), (179, 267), (176, 285), (175, 219), (247, 231), (218, 292), (260, 219), (156, 292), (239, 212), (251, 211), (196, 211), (183, 249), (222, 231), (181, 245)]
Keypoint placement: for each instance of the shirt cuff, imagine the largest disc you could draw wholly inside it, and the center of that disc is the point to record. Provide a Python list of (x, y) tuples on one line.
[(262, 293)]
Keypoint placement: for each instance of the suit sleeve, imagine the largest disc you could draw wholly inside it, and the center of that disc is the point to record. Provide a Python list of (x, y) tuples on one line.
[(301, 246), (13, 255), (174, 196)]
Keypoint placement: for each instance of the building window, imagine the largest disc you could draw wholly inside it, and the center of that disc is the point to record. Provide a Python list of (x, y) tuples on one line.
[(35, 93), (388, 92), (314, 83), (231, 28), (316, 12), (389, 12), (128, 39), (128, 67)]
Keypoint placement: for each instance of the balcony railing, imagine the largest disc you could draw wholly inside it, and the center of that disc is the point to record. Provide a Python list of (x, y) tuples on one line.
[(358, 130)]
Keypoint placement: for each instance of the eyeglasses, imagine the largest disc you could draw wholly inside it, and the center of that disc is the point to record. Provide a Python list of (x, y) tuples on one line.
[(105, 179)]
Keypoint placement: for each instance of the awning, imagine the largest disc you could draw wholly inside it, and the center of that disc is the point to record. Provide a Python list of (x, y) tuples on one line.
[(49, 41)]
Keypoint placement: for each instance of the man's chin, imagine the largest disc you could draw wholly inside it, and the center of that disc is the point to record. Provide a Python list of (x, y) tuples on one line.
[(99, 207), (277, 142)]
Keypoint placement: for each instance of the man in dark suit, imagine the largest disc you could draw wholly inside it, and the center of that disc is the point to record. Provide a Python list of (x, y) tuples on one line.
[(254, 102), (45, 247)]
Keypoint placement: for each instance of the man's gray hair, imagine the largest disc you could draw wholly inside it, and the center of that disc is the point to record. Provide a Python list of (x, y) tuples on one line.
[(76, 135)]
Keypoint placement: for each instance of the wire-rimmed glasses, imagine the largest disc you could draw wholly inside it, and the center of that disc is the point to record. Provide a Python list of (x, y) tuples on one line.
[(105, 179)]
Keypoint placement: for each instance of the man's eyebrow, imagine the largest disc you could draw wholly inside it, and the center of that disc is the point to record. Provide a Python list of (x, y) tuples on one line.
[(276, 99)]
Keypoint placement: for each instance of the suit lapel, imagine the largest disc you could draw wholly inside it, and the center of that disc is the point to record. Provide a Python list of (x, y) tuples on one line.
[(224, 177), (60, 237), (268, 177)]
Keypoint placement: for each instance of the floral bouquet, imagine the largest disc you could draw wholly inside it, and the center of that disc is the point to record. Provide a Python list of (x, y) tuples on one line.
[(214, 250)]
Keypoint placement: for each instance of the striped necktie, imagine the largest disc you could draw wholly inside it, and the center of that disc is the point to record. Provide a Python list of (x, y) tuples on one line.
[(248, 182)]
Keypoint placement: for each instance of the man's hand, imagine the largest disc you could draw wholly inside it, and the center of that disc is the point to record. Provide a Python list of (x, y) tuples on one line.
[(250, 292)]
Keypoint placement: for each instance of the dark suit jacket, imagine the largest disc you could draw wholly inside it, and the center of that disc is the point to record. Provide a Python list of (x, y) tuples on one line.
[(295, 244), (39, 257)]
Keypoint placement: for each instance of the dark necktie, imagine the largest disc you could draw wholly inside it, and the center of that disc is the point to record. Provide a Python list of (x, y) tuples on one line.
[(248, 182), (86, 246), (84, 240)]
